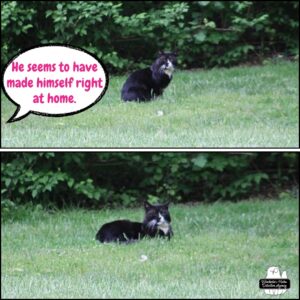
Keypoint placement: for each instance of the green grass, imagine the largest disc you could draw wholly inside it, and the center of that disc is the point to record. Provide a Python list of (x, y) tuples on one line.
[(218, 251), (238, 107)]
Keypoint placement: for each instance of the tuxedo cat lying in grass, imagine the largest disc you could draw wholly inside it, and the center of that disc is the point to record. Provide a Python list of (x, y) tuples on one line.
[(156, 223), (146, 84)]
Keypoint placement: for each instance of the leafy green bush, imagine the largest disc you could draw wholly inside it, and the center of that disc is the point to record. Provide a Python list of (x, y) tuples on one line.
[(127, 35), (113, 179)]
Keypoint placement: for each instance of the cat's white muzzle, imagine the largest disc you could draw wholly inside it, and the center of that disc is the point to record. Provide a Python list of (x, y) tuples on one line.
[(168, 68)]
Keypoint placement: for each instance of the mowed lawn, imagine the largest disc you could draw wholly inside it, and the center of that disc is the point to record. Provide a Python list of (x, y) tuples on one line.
[(249, 106), (220, 250)]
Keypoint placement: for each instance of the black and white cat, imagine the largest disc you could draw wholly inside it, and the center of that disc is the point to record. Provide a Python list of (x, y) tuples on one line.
[(148, 83), (156, 223)]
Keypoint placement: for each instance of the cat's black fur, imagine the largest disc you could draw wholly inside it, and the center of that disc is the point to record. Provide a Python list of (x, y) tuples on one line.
[(146, 84), (156, 223)]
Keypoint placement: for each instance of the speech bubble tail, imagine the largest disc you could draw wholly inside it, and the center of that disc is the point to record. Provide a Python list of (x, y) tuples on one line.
[(19, 114)]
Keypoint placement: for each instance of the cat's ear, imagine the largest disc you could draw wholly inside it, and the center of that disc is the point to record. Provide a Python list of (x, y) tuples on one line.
[(160, 53), (175, 52), (147, 205), (166, 205)]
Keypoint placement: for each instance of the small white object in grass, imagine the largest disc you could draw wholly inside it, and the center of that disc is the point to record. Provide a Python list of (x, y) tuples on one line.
[(160, 113), (18, 269), (143, 258)]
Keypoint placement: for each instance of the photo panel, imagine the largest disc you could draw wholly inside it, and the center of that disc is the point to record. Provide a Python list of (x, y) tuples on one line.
[(118, 75), (149, 224)]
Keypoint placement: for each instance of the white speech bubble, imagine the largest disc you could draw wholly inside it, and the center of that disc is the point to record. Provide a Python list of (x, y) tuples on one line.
[(54, 80)]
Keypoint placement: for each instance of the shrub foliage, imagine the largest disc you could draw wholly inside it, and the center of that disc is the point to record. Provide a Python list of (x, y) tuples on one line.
[(125, 179), (126, 35)]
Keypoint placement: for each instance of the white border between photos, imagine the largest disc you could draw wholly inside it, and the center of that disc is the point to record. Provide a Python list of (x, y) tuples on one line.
[(232, 150)]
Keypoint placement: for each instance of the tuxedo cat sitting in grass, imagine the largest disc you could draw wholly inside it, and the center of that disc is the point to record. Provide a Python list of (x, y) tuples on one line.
[(156, 224), (149, 83)]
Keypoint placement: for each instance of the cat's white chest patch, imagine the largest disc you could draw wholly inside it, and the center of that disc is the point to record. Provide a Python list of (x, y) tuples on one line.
[(164, 228), (169, 69), (163, 225), (169, 72)]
